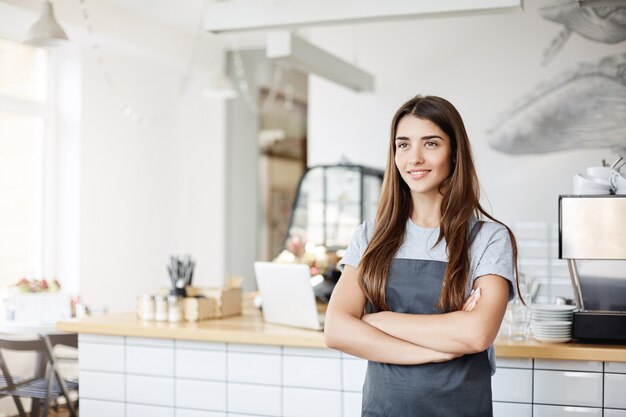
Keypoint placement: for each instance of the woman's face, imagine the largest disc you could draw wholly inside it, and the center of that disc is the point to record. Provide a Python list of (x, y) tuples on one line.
[(422, 155)]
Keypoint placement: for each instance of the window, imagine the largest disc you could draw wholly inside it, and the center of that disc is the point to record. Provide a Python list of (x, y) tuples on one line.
[(25, 118)]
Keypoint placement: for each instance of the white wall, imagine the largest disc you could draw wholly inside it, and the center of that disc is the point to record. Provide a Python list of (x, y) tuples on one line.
[(131, 194), (481, 64), (152, 189)]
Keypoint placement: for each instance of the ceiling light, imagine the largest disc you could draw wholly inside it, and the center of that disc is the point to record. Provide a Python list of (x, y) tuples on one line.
[(219, 87), (46, 31)]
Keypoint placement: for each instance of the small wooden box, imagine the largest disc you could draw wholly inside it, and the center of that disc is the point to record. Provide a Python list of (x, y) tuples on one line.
[(227, 300), (204, 303), (195, 309)]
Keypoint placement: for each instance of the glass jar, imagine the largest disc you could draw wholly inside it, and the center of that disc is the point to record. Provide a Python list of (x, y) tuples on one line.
[(148, 307), (160, 303), (175, 309)]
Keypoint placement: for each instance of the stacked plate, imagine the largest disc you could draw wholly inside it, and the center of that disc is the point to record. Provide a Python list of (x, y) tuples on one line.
[(552, 322)]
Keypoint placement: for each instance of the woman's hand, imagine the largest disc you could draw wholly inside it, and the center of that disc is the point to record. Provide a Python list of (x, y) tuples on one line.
[(374, 319), (445, 357), (471, 301)]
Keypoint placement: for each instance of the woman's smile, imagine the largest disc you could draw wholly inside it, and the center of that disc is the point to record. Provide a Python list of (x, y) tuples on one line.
[(422, 155), (417, 174)]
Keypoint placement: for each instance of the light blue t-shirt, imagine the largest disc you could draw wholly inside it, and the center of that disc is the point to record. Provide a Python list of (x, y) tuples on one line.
[(490, 253)]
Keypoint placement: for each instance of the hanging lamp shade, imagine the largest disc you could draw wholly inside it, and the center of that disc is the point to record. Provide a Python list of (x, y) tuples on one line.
[(219, 87), (46, 31)]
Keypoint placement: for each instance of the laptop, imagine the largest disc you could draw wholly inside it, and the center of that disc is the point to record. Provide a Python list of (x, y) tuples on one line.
[(287, 295)]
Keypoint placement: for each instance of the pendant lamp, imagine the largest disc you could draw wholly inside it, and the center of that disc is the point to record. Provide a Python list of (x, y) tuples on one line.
[(219, 86), (46, 31)]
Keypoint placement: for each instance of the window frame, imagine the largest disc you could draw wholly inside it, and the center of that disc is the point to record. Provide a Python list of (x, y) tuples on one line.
[(45, 262)]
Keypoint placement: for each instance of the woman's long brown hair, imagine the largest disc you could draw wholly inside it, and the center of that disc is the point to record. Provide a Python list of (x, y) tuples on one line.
[(461, 195)]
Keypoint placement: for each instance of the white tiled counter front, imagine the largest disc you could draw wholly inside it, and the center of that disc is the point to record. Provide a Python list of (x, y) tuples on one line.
[(559, 388), (137, 377)]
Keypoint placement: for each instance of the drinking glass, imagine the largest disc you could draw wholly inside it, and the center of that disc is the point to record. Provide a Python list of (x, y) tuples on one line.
[(518, 318)]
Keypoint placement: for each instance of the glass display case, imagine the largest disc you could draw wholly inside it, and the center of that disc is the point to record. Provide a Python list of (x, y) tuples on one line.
[(331, 202)]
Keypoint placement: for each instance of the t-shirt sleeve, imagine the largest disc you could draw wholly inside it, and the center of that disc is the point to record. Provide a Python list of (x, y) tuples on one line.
[(497, 258), (356, 248)]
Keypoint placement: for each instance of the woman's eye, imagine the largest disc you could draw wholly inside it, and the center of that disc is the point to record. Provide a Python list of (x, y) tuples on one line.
[(431, 144), (401, 145)]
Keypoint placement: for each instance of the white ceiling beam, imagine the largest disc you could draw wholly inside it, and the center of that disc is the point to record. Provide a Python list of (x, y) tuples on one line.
[(295, 52), (229, 16)]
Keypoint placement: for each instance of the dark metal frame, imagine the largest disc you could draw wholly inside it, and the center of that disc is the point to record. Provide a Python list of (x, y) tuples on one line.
[(364, 170)]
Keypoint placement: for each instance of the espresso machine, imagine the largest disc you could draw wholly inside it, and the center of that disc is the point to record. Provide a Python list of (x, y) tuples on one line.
[(592, 238)]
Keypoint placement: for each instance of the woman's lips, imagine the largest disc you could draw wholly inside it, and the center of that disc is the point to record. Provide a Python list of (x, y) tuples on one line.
[(416, 174)]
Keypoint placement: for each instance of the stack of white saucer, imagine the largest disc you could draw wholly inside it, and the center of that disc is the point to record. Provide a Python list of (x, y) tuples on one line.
[(552, 322)]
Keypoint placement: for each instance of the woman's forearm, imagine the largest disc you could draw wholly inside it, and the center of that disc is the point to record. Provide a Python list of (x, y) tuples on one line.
[(456, 332), (355, 337)]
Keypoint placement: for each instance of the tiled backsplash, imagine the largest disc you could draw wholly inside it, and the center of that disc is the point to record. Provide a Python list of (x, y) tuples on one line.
[(538, 244)]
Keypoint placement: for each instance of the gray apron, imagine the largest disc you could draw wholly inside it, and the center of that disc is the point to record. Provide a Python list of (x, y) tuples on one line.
[(460, 387)]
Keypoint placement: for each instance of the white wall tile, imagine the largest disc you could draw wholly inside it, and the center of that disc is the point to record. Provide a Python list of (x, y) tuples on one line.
[(559, 268), (254, 399), (614, 413), (300, 351), (533, 249), (513, 385), (304, 402), (524, 363), (95, 408), (254, 368), (583, 388), (200, 364), (142, 410), (352, 404), (615, 367), (182, 412), (156, 361), (557, 411), (348, 356), (192, 344), (563, 365), (240, 415), (353, 374), (312, 372), (535, 267), (531, 230), (100, 339), (148, 341), (615, 390), (101, 357), (512, 410), (202, 395), (150, 390), (101, 386), (236, 347)]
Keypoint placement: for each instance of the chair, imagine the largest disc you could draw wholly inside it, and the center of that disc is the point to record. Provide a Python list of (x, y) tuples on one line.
[(47, 385)]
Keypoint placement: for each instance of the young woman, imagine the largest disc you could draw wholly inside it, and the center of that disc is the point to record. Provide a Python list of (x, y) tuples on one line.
[(407, 297)]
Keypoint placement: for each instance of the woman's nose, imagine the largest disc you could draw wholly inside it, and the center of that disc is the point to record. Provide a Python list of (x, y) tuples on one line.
[(416, 157)]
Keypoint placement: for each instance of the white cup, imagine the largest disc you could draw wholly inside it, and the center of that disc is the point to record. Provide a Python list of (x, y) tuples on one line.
[(603, 173), (589, 185), (619, 183)]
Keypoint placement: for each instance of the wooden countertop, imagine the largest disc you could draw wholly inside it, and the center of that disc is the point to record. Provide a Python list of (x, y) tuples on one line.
[(250, 329)]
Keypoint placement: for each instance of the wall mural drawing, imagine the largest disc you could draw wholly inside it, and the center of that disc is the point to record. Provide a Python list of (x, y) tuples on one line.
[(605, 24), (585, 108), (582, 108)]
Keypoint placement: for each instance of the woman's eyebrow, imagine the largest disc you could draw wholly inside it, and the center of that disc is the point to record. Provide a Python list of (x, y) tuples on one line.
[(422, 138)]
